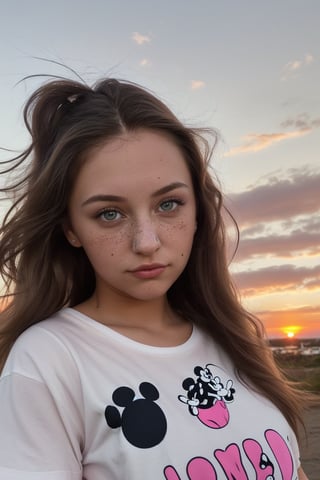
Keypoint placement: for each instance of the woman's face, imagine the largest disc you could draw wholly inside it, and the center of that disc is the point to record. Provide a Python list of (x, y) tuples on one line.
[(133, 211)]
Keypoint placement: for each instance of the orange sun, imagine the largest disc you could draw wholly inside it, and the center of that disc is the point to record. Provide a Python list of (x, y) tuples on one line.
[(291, 330)]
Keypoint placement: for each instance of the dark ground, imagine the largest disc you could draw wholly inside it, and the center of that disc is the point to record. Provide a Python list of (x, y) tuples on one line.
[(310, 450)]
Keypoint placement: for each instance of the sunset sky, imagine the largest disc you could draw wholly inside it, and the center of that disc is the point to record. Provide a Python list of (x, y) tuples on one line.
[(250, 69)]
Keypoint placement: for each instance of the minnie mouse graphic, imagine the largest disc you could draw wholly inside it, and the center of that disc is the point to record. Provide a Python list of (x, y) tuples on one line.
[(207, 397)]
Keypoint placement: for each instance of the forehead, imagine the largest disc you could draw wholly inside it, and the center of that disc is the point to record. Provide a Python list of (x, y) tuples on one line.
[(142, 159)]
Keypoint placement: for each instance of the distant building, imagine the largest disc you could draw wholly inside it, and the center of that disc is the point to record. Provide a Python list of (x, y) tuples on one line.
[(310, 351), (296, 350), (288, 350)]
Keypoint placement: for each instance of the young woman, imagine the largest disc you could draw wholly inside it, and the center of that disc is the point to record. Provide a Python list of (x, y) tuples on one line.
[(125, 351)]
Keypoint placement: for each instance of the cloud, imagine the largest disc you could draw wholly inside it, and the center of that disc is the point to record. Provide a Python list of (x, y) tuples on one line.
[(144, 62), (197, 84), (255, 142), (278, 219), (308, 59), (280, 197), (302, 122), (310, 224), (293, 66), (288, 203), (278, 278), (140, 39), (281, 246)]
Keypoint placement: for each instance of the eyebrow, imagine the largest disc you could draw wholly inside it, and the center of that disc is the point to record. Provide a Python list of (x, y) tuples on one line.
[(116, 198)]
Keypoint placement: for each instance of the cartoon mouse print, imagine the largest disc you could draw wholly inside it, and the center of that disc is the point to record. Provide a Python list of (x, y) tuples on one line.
[(207, 397), (143, 422)]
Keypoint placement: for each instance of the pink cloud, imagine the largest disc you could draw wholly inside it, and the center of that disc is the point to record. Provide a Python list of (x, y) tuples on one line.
[(291, 68), (285, 246), (277, 278), (255, 142), (140, 39), (197, 84), (279, 198)]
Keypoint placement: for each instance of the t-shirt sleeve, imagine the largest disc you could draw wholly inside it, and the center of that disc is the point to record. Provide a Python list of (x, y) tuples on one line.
[(34, 442), (295, 449), (40, 430)]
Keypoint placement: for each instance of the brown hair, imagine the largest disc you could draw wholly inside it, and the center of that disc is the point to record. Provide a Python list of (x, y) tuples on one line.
[(43, 273)]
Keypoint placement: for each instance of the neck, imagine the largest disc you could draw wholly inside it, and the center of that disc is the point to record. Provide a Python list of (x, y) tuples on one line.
[(127, 311), (151, 322)]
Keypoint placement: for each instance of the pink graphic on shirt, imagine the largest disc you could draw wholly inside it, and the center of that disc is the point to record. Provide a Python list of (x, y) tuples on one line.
[(216, 416), (198, 469), (262, 465), (281, 452), (230, 461)]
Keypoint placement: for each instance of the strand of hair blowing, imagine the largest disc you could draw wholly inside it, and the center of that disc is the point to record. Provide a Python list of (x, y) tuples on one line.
[(37, 264), (43, 273)]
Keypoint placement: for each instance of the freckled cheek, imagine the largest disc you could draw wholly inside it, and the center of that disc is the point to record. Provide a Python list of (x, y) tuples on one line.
[(107, 244), (179, 229), (180, 235)]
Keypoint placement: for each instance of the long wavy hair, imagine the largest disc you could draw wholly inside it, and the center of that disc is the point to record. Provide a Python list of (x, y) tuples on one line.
[(43, 273)]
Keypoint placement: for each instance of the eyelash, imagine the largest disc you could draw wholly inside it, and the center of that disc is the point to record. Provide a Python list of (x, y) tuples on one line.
[(100, 214), (178, 201), (108, 210)]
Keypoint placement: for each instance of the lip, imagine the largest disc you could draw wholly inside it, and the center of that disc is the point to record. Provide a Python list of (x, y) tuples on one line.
[(150, 270)]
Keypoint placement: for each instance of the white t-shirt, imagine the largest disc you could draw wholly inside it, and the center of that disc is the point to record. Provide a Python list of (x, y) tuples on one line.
[(79, 401)]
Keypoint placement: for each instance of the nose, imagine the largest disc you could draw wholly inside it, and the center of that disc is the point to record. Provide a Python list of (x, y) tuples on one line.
[(145, 238)]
